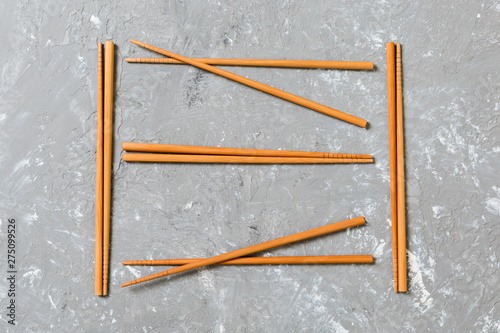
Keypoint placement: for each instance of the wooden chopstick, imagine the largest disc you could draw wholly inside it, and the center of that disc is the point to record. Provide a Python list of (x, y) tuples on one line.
[(178, 158), (99, 175), (293, 260), (108, 142), (262, 87), (254, 248), (401, 211), (183, 149), (357, 65), (391, 95)]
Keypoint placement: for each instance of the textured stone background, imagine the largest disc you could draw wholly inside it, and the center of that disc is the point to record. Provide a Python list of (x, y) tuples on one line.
[(48, 61)]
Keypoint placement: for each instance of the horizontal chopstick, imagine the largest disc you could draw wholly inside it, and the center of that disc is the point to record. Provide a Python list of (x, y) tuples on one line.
[(177, 158), (254, 248), (359, 65), (183, 149), (291, 260), (262, 87)]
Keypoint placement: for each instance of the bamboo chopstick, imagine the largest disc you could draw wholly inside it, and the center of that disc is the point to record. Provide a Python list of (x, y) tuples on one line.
[(358, 65), (401, 210), (391, 95), (108, 141), (178, 158), (99, 176), (254, 248), (293, 260), (183, 149), (262, 87)]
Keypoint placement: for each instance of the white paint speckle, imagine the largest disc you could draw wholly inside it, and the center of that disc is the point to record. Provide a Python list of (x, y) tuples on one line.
[(493, 206), (33, 273), (95, 20), (135, 272), (379, 251), (53, 305), (418, 282)]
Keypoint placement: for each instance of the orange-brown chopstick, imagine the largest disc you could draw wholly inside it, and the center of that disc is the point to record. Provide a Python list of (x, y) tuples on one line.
[(402, 269), (262, 87), (391, 95), (178, 158), (292, 260), (254, 248), (183, 149), (99, 175), (357, 65), (109, 54)]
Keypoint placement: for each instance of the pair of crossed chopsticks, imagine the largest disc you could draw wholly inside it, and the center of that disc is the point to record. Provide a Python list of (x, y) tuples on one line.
[(262, 87), (237, 257)]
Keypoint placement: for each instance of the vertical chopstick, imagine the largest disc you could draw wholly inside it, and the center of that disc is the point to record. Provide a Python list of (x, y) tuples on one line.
[(292, 260), (108, 142), (183, 149), (356, 65), (178, 158), (99, 175), (401, 210), (262, 87), (391, 95), (254, 248)]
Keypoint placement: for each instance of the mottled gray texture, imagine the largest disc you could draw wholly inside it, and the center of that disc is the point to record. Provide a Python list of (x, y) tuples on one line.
[(48, 75)]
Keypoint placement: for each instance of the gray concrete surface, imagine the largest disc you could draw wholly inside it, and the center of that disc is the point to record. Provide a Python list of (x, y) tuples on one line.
[(48, 60)]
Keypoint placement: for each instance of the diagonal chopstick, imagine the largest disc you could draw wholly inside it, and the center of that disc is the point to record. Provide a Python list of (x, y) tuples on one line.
[(262, 87), (254, 248), (356, 65), (184, 149), (288, 260)]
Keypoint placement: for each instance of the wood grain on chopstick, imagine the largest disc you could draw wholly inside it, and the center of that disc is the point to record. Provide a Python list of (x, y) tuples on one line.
[(183, 149), (109, 54), (254, 248), (391, 95), (262, 87), (356, 65), (288, 260), (178, 158), (402, 269), (99, 174)]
